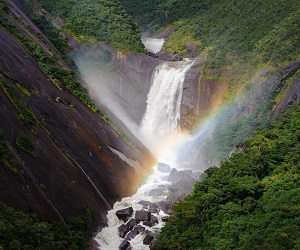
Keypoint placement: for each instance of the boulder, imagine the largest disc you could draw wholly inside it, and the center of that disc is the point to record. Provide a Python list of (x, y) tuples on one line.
[(166, 206), (164, 168), (137, 230), (185, 183), (163, 56), (179, 195), (155, 192), (165, 218), (153, 205), (144, 203), (152, 222), (152, 244), (149, 237), (125, 228), (153, 210), (124, 245), (140, 229), (176, 175), (142, 215), (124, 214)]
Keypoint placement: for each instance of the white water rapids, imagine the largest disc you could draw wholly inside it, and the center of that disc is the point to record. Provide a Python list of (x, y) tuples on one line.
[(160, 121)]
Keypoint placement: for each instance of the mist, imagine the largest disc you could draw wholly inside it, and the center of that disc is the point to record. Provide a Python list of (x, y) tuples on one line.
[(103, 80)]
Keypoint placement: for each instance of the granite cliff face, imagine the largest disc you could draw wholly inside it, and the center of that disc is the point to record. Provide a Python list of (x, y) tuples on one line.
[(77, 164), (123, 78)]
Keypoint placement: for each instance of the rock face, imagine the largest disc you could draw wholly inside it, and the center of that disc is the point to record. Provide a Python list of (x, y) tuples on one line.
[(155, 192), (164, 168), (125, 228), (124, 78), (73, 168), (124, 214), (142, 215)]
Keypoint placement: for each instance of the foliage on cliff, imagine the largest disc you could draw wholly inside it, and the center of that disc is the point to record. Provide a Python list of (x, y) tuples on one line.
[(105, 21), (23, 231), (227, 30), (251, 201)]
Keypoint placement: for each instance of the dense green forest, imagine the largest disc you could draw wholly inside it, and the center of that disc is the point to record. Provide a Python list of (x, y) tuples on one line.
[(251, 201), (226, 31), (24, 231), (91, 20)]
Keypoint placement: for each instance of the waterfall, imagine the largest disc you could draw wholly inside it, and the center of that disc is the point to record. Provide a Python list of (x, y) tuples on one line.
[(153, 45), (164, 99), (160, 120)]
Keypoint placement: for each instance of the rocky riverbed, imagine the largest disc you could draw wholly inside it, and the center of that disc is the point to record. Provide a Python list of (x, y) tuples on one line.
[(135, 221)]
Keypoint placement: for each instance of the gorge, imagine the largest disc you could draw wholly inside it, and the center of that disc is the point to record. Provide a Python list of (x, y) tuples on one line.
[(87, 112)]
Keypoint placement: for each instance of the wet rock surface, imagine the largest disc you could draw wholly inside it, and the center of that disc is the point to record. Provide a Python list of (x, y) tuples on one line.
[(125, 228), (156, 192), (142, 215), (124, 214)]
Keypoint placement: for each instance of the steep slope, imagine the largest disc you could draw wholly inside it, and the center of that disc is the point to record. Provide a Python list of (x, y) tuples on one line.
[(60, 162), (105, 21), (251, 201)]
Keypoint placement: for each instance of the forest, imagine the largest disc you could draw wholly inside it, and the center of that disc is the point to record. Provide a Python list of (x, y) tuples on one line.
[(251, 201), (92, 20), (226, 31)]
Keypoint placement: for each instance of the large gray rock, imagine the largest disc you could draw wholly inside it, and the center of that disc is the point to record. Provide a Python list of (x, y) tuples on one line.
[(138, 229), (124, 245), (166, 206), (142, 215), (176, 175), (125, 228), (165, 218), (151, 222), (185, 183), (149, 237), (155, 192), (152, 244), (124, 214), (144, 203)]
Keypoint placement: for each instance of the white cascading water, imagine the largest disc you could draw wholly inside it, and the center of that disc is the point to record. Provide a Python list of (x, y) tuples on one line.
[(160, 120), (164, 99), (153, 45)]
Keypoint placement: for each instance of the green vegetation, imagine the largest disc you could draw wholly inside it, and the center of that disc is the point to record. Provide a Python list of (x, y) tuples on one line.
[(23, 231), (54, 35), (26, 115), (58, 75), (258, 31), (25, 143), (3, 7), (104, 20), (48, 64), (5, 155), (246, 120), (251, 201)]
